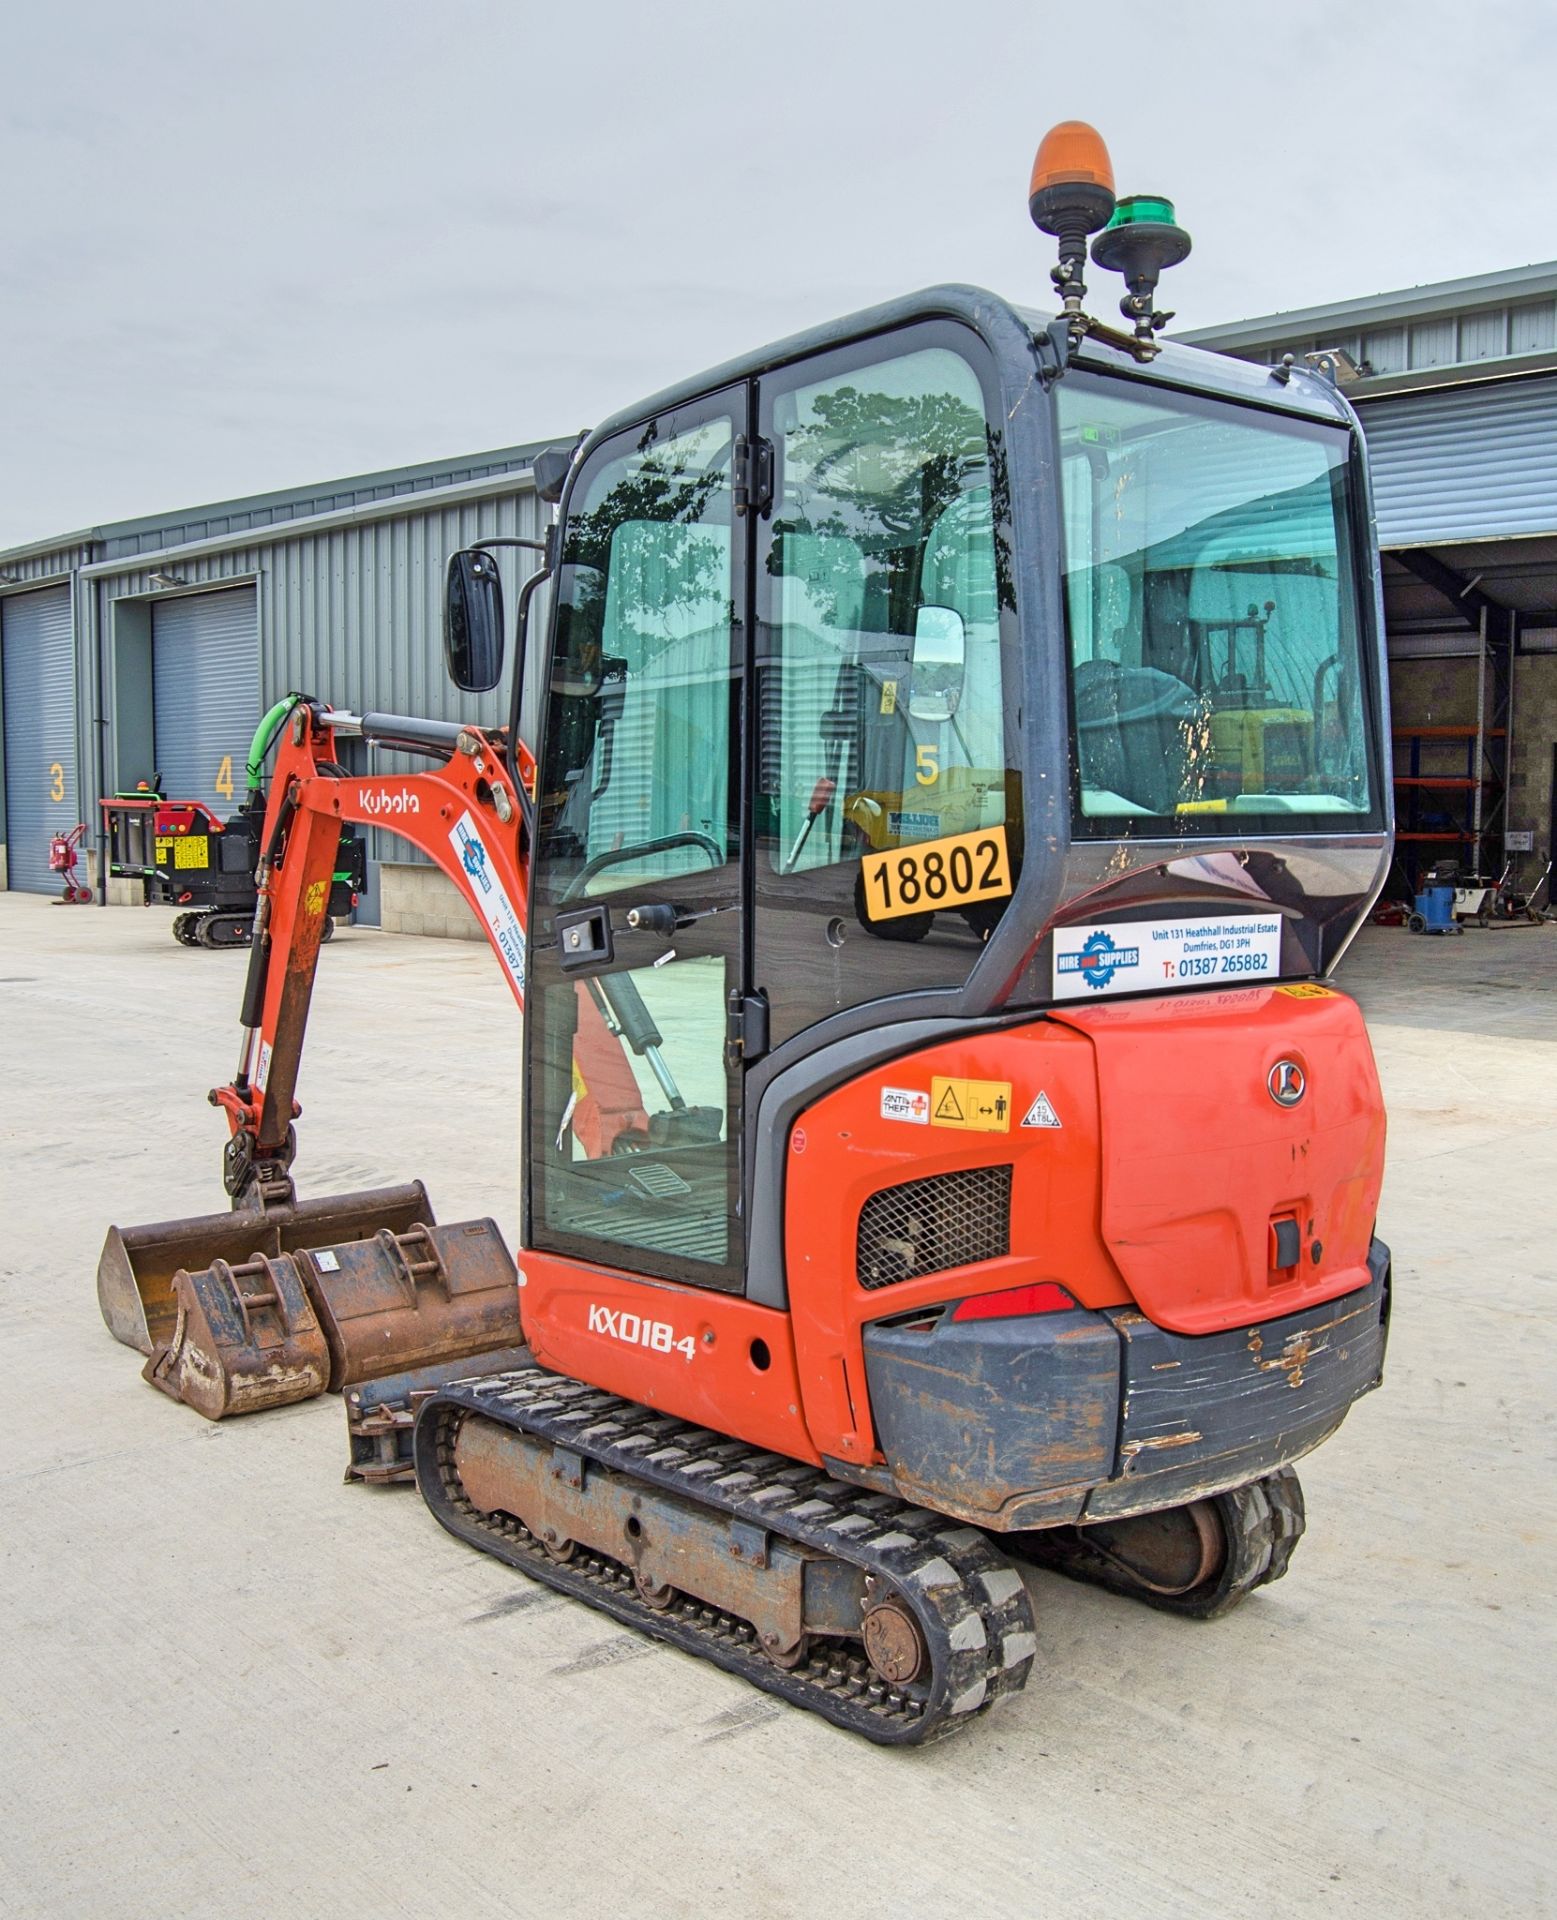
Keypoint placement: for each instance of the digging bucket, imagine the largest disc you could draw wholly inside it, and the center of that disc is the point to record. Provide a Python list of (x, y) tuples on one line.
[(136, 1272), (261, 1329)]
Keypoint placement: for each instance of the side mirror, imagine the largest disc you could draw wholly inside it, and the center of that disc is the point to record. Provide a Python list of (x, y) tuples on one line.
[(940, 660), (473, 621)]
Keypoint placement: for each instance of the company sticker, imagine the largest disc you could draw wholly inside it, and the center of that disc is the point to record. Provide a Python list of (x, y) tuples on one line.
[(904, 1103), (974, 1106), (1041, 1113), (491, 896), (1146, 956)]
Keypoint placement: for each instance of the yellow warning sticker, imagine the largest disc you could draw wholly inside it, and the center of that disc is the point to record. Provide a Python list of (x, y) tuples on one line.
[(193, 850), (1309, 990), (889, 696), (976, 1106)]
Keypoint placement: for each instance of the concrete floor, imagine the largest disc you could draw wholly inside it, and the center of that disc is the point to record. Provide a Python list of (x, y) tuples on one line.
[(229, 1685)]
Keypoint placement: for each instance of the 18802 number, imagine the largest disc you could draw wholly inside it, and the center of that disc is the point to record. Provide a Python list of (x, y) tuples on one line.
[(951, 872)]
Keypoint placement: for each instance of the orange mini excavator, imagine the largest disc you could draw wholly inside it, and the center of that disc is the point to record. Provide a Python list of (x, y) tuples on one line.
[(942, 1144)]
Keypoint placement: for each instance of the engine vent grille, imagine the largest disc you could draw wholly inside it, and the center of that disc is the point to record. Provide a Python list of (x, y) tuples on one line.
[(925, 1226)]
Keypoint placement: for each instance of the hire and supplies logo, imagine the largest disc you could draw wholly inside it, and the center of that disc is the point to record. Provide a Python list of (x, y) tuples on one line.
[(1098, 960)]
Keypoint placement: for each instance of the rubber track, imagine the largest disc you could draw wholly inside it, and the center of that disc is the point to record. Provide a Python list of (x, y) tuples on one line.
[(968, 1599), (1262, 1521)]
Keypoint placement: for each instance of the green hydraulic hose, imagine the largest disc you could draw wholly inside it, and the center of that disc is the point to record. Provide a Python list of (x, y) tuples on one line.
[(265, 733)]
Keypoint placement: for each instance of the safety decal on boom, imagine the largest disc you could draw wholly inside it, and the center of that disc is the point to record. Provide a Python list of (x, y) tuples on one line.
[(491, 896)]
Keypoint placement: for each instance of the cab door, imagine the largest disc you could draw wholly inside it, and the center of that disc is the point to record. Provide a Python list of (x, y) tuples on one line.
[(632, 1095), (887, 798)]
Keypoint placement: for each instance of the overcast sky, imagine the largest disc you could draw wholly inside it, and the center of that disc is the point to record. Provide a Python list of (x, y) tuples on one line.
[(247, 247)]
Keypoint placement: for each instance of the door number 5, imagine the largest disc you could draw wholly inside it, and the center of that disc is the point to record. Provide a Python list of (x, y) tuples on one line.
[(927, 765)]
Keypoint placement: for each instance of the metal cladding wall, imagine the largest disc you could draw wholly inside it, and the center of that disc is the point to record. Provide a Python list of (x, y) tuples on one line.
[(205, 694), (350, 612), (355, 614), (1464, 463), (42, 792)]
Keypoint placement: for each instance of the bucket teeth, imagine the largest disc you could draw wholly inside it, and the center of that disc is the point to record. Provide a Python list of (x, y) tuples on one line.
[(237, 1312)]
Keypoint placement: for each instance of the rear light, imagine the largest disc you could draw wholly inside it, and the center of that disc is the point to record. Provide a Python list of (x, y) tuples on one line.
[(1044, 1296)]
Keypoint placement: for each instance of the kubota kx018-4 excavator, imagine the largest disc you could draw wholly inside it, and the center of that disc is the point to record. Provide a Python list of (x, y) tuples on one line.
[(941, 1145)]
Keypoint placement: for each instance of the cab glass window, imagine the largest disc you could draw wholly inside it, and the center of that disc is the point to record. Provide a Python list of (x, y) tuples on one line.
[(882, 717), (636, 781), (1214, 615)]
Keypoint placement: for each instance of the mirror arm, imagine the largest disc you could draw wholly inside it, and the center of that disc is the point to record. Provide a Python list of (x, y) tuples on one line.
[(521, 655)]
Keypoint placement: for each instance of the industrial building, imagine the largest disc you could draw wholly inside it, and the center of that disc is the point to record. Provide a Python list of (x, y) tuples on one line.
[(1456, 385), (153, 645)]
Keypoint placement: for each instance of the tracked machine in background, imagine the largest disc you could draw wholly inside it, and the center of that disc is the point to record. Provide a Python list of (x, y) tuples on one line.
[(856, 1271), (184, 856)]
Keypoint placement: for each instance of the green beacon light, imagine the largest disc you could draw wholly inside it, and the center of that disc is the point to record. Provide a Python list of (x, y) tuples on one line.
[(1141, 242)]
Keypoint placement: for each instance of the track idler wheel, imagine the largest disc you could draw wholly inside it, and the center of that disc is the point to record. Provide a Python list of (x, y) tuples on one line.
[(1200, 1559), (894, 1644)]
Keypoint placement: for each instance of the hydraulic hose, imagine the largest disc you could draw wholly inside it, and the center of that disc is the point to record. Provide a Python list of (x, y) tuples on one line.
[(264, 734)]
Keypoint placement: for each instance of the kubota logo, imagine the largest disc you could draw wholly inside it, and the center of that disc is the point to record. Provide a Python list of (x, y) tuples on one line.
[(1287, 1083)]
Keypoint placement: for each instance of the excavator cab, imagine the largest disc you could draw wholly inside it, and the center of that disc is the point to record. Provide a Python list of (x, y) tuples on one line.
[(948, 771), (914, 652)]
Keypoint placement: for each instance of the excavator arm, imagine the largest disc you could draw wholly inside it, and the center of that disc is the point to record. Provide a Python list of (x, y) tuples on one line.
[(281, 1297), (466, 813)]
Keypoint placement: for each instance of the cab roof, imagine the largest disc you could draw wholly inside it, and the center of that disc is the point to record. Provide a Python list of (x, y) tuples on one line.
[(1011, 332)]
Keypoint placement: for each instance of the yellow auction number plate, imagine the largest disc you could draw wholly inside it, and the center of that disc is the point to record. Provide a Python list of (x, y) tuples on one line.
[(958, 871)]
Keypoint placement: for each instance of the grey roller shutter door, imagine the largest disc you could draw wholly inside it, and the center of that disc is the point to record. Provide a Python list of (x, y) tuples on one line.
[(36, 633), (1464, 463), (205, 694)]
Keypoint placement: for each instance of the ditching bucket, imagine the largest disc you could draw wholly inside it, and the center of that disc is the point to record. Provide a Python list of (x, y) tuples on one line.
[(135, 1272), (271, 1329)]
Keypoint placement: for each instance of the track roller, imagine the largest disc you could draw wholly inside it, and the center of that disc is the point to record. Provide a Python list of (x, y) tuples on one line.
[(1199, 1560)]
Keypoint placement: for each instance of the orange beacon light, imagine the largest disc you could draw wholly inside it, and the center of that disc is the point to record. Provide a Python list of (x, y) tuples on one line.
[(1072, 190)]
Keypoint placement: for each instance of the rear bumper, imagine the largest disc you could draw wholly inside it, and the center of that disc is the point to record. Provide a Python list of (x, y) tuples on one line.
[(1062, 1417)]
